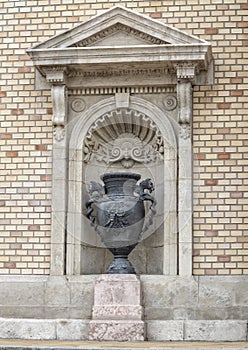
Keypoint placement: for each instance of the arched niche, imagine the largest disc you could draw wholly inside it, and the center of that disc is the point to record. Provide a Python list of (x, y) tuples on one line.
[(121, 59), (142, 121)]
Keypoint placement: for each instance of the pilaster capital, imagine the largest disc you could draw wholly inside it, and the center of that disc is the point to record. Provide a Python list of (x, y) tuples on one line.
[(56, 75), (185, 71)]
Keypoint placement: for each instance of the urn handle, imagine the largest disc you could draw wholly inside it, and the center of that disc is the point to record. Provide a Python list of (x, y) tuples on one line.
[(146, 196), (95, 191)]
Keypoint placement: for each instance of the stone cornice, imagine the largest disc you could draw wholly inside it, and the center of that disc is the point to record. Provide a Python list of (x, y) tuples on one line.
[(197, 54)]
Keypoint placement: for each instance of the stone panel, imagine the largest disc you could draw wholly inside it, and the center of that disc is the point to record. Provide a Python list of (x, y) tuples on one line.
[(165, 330), (215, 330), (72, 330), (27, 329), (116, 330)]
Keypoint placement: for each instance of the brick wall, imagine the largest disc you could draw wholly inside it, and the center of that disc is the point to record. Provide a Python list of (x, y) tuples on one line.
[(220, 130)]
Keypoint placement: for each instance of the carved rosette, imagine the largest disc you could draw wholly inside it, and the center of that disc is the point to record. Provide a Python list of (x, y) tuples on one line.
[(123, 136)]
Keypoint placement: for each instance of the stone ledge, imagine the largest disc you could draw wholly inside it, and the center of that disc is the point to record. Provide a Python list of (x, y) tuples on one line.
[(89, 345), (157, 330)]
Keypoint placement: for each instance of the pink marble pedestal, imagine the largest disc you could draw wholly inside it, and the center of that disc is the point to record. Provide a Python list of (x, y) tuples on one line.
[(117, 311)]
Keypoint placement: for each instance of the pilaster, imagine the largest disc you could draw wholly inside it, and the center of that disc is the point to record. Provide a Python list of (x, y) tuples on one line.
[(185, 77), (56, 76)]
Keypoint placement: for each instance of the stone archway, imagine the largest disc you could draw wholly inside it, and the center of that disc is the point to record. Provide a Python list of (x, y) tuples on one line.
[(78, 227)]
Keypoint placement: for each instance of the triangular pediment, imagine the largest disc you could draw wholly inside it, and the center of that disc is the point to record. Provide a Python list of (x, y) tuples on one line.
[(119, 27)]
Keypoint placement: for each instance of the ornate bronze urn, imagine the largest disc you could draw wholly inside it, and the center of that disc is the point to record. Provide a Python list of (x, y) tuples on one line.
[(117, 212)]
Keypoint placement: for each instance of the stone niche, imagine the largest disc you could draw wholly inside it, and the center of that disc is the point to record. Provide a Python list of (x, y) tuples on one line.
[(121, 86)]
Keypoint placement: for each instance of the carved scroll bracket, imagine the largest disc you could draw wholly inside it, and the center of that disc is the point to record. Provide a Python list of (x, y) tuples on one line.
[(185, 77), (57, 77)]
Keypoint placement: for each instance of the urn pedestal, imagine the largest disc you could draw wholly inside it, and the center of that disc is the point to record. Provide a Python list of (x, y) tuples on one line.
[(117, 312)]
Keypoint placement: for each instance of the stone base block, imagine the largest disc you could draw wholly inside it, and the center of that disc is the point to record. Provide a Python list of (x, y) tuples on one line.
[(60, 329), (215, 330), (116, 330), (115, 312)]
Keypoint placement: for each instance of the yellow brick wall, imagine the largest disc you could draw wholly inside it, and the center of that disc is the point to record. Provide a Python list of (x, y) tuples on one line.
[(220, 130)]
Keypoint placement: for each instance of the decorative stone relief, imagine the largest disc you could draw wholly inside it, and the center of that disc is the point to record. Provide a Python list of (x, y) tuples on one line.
[(57, 77), (185, 76), (124, 136), (115, 90), (118, 27), (78, 105), (170, 102), (126, 149), (58, 132), (185, 131)]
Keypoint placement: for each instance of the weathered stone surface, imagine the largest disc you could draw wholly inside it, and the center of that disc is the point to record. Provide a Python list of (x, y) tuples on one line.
[(117, 290), (27, 329), (72, 329), (219, 330), (164, 298), (119, 312), (57, 291), (168, 291), (117, 330), (165, 330)]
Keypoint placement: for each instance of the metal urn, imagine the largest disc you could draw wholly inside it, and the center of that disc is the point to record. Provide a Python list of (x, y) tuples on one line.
[(117, 212)]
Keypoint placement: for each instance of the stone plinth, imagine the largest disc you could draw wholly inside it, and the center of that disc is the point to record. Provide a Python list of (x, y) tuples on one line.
[(117, 311)]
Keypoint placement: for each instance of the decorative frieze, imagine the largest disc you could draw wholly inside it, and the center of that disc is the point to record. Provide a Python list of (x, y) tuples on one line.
[(107, 73), (115, 90), (118, 27)]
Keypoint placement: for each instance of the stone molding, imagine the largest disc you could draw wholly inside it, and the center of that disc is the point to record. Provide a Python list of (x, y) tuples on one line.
[(115, 90), (115, 28)]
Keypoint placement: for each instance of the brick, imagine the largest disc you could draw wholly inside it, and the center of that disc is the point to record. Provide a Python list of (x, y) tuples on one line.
[(236, 80), (237, 93), (6, 136), (24, 70), (10, 265), (223, 105), (213, 233), (237, 195), (17, 111), (199, 156), (156, 15), (211, 182), (224, 258), (224, 156), (211, 31), (12, 154), (41, 147)]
